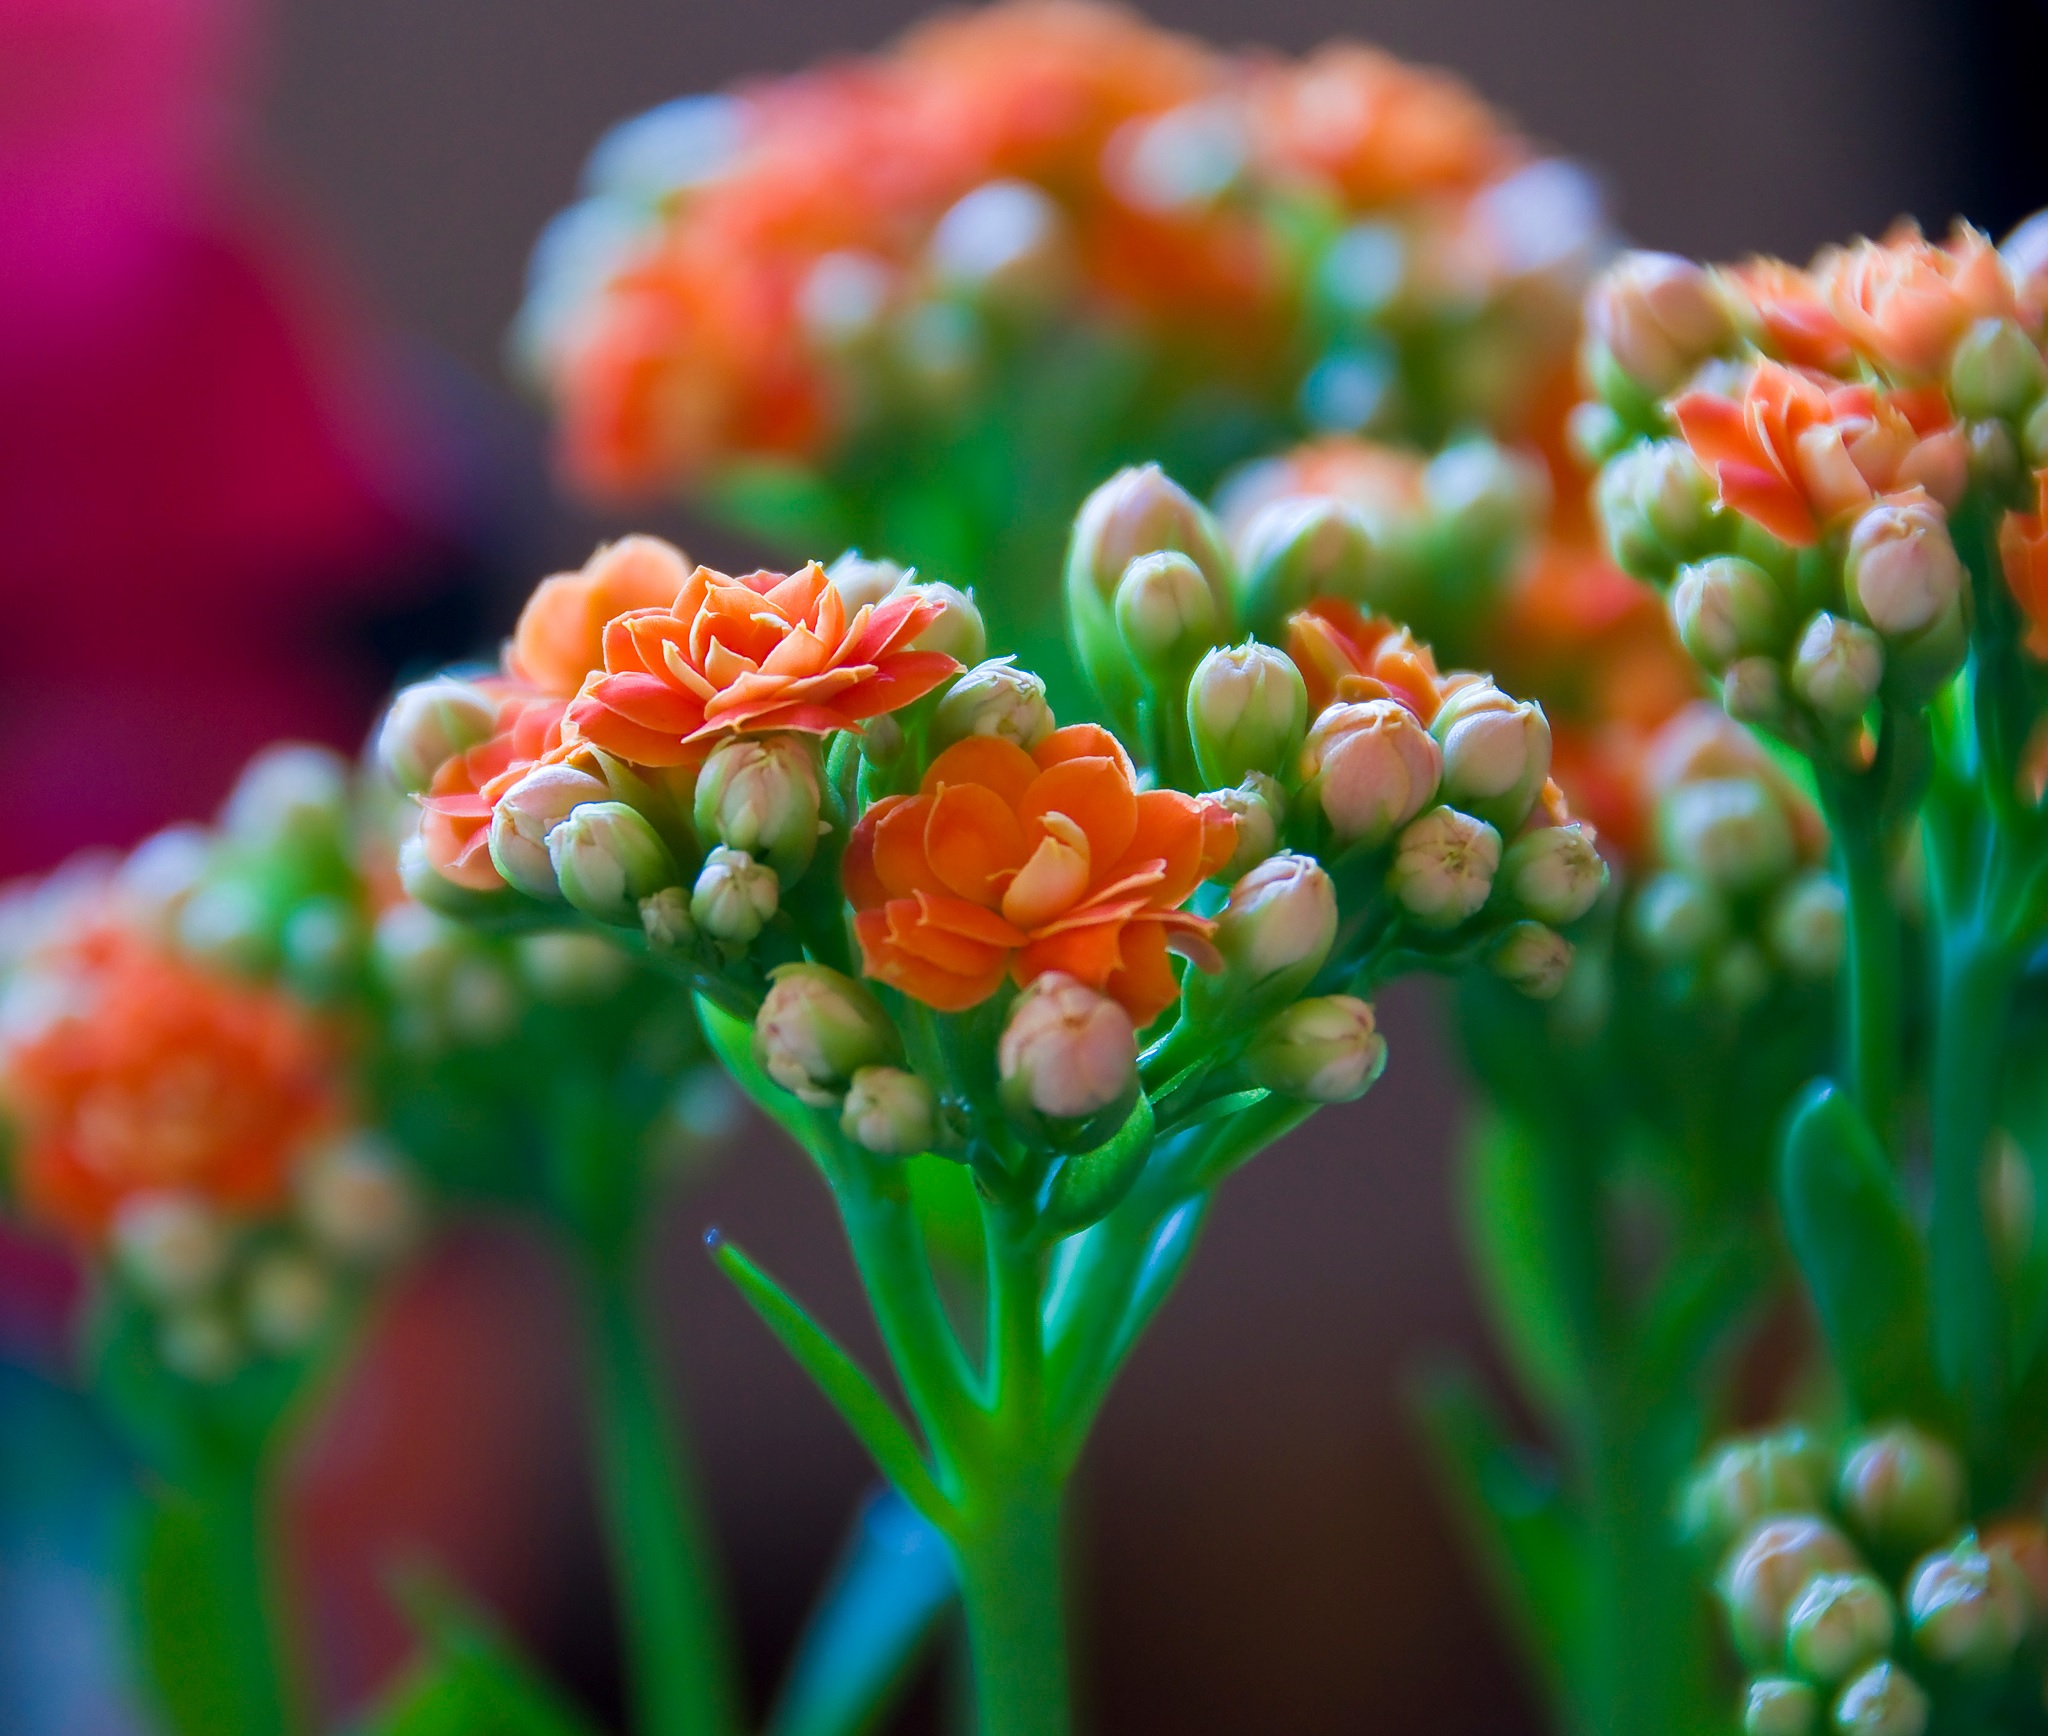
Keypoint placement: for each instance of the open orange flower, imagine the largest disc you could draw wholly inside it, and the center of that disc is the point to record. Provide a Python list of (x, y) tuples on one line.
[(1007, 863), (1798, 454), (1344, 654), (1789, 314), (455, 817), (1905, 301), (560, 636), (2023, 552), (151, 1074), (761, 652)]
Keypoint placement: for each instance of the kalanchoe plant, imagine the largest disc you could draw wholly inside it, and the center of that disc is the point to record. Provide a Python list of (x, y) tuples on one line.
[(924, 922), (923, 300)]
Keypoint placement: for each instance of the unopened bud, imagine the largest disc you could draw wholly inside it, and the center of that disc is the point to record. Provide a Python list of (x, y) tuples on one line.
[(1484, 492), (1136, 512), (1259, 806), (1767, 1574), (1067, 1053), (1995, 371), (996, 698), (1496, 752), (1166, 614), (429, 723), (1444, 864), (607, 858), (1883, 1701), (1279, 925), (1837, 667), (1780, 1706), (2009, 1205), (1656, 505), (1753, 690), (1296, 549), (1839, 1623), (285, 1302), (1901, 1489), (1676, 919), (356, 1203), (172, 1245), (1967, 1609), (1372, 768), (527, 813), (1532, 958), (1901, 571), (1749, 1480), (482, 1001), (1006, 239), (890, 1112), (1247, 709), (1730, 832), (1725, 608), (861, 582), (816, 1029), (1740, 977), (759, 793), (566, 967), (1808, 926), (200, 1343), (958, 630), (1554, 873), (2024, 1544), (666, 922), (1325, 1050), (292, 794), (734, 896), (1658, 317)]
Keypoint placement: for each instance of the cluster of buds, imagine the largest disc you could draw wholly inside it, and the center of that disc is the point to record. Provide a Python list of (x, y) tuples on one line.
[(1858, 1588), (794, 271), (1792, 454), (183, 1123), (1734, 894)]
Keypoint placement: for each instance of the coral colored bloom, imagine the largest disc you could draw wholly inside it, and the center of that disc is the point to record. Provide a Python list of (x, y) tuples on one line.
[(1798, 454), (145, 1074), (560, 636), (1790, 314), (1344, 655), (455, 819), (748, 655), (1011, 864), (1904, 301), (2023, 552)]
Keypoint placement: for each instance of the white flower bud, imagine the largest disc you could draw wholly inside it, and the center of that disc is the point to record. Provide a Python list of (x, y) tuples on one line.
[(1259, 806), (285, 1301), (760, 794), (1781, 1706), (666, 921), (890, 1112), (607, 858), (1659, 317), (356, 1203), (292, 793), (1883, 1701), (816, 1029), (1554, 873), (1837, 667), (1730, 832), (1165, 612), (172, 1245), (1279, 925), (527, 813), (996, 698), (1326, 1050), (1006, 238), (1676, 918), (1444, 864), (1968, 1610), (734, 896), (429, 723), (1496, 752), (1372, 767), (1533, 958), (1808, 926), (566, 967), (1901, 571), (1655, 504), (1753, 690), (1247, 708), (958, 631), (1751, 1479), (1766, 1575), (1839, 1622), (1067, 1052), (414, 950), (1725, 608), (861, 582)]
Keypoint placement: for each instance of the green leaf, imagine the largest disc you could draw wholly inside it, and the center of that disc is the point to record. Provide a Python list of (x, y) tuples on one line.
[(870, 1416), (1086, 1186), (1863, 1262)]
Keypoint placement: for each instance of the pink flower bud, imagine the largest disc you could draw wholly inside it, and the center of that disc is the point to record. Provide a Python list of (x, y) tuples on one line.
[(527, 813), (1901, 571), (734, 897), (1067, 1051), (355, 1201), (1749, 1480), (1325, 1050), (1496, 753), (996, 698), (1767, 1574), (1247, 708), (890, 1112), (957, 630), (1901, 1489), (1279, 925), (1725, 608), (429, 723), (1371, 766), (1781, 1706), (1166, 613), (1444, 866), (1555, 873), (1533, 958), (760, 794), (1838, 1623), (817, 1029), (1659, 317), (1837, 667), (1259, 805), (1968, 1610)]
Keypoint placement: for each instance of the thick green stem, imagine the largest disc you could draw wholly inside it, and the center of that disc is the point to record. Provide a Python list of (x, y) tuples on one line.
[(1975, 988), (1873, 1030), (679, 1653)]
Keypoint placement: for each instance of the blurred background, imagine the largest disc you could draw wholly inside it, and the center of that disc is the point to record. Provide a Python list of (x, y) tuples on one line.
[(259, 457)]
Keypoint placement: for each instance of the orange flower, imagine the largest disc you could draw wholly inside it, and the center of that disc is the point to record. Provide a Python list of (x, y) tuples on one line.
[(761, 652), (1798, 454), (560, 636), (151, 1074), (1790, 315), (1904, 301), (455, 818), (1007, 863), (1345, 655), (2023, 552)]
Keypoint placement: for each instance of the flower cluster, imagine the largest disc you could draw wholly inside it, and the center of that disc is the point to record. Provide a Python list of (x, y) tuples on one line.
[(782, 273), (1860, 1587), (190, 1124)]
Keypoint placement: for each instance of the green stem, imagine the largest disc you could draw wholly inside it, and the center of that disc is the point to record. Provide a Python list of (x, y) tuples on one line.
[(679, 1651), (1873, 1028)]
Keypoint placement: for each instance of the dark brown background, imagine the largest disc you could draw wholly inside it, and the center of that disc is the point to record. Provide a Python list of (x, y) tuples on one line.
[(1263, 1553)]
